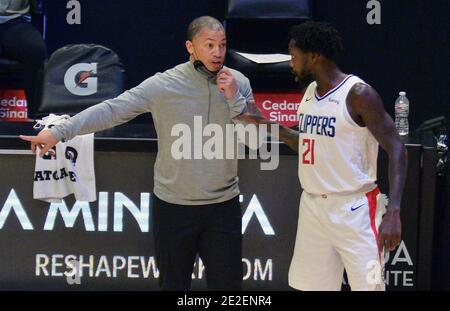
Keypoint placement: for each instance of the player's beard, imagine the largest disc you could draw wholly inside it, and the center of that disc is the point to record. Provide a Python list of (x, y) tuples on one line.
[(304, 79)]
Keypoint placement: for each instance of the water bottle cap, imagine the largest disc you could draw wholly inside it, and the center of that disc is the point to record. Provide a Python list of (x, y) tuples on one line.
[(402, 93)]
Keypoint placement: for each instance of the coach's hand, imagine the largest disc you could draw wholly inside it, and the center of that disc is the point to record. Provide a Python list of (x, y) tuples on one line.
[(44, 141), (226, 83), (390, 232)]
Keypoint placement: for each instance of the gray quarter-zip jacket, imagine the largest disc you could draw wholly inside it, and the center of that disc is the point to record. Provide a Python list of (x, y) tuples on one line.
[(175, 97)]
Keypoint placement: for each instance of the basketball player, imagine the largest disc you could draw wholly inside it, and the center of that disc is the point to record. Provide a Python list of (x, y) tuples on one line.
[(196, 207), (341, 123)]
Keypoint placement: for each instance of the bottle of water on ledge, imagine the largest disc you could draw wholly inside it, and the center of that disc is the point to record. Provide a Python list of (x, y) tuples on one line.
[(401, 114)]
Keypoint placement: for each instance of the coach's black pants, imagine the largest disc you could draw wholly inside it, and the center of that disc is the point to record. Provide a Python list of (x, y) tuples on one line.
[(213, 231), (21, 41)]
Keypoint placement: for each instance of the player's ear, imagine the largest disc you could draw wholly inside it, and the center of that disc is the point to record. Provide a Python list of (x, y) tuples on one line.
[(315, 57)]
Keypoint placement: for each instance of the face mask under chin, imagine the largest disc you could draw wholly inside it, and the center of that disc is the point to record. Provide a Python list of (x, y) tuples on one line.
[(200, 67)]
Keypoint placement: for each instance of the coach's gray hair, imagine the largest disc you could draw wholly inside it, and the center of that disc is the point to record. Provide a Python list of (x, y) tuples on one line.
[(203, 22)]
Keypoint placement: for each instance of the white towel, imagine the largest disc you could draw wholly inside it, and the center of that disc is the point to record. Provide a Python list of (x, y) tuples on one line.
[(68, 170)]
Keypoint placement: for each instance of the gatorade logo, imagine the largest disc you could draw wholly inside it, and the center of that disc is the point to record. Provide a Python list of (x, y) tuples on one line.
[(81, 79)]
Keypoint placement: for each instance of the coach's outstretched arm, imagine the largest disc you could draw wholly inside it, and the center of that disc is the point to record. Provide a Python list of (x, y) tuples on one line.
[(44, 140), (102, 116), (287, 135), (365, 103)]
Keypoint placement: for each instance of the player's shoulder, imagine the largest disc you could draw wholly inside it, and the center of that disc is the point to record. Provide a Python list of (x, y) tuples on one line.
[(359, 88), (363, 97), (357, 84)]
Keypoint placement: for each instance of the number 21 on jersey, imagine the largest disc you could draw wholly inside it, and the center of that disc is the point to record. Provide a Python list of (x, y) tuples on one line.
[(308, 154)]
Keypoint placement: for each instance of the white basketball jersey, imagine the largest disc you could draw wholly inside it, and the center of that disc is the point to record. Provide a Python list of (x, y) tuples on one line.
[(336, 155)]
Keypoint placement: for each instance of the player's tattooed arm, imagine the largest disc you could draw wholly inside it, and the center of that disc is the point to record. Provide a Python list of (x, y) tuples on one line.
[(286, 135)]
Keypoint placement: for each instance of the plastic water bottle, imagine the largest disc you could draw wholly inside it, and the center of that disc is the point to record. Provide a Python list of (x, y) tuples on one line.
[(401, 114)]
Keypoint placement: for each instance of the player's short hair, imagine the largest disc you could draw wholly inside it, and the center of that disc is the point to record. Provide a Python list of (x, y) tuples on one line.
[(318, 37), (203, 22)]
